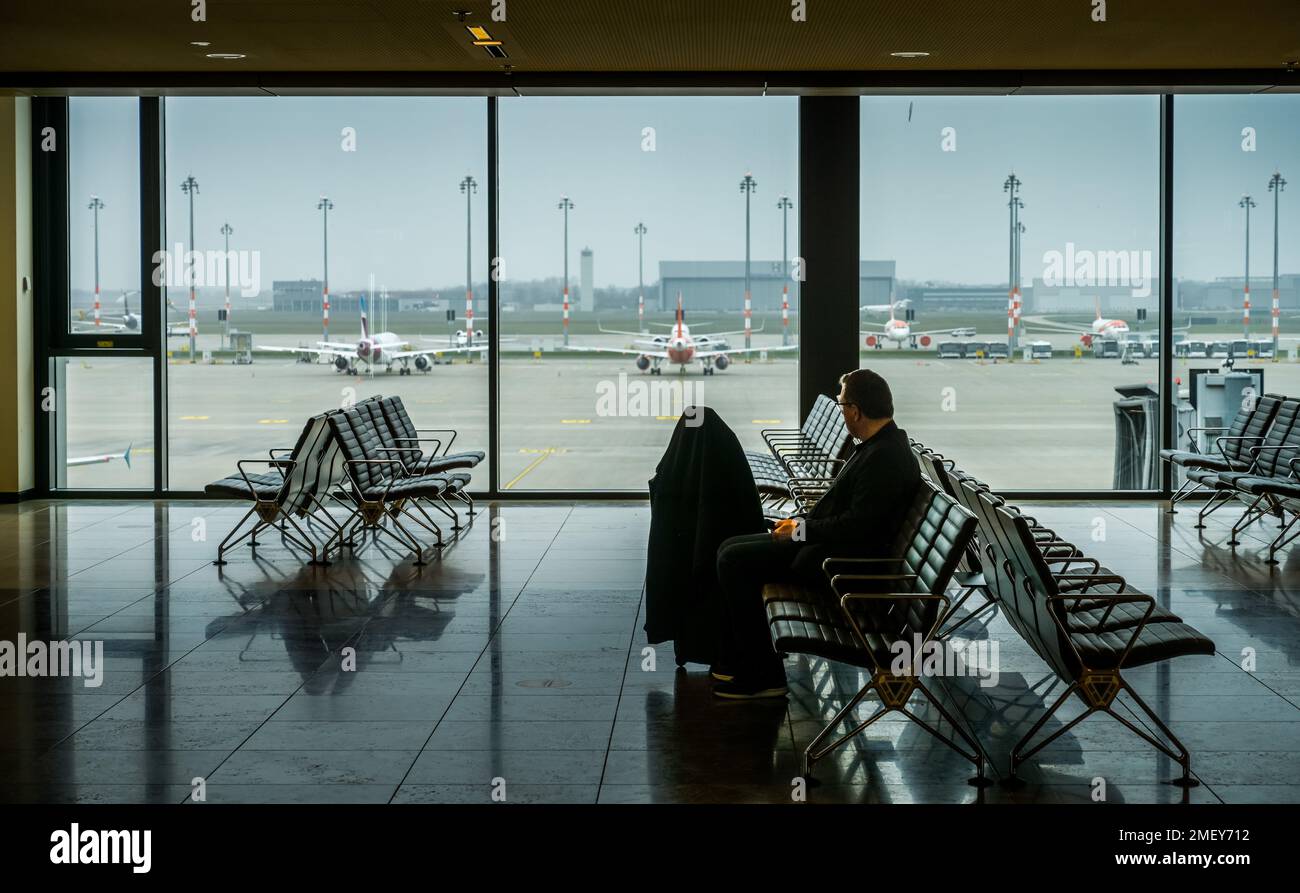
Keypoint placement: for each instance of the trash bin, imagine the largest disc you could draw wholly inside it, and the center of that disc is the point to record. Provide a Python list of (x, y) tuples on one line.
[(1137, 426)]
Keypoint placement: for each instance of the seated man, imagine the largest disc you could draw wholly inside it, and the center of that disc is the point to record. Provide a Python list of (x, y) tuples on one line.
[(858, 516)]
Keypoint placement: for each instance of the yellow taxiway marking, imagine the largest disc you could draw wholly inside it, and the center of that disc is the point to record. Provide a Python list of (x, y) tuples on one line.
[(666, 418), (765, 421), (529, 467), (194, 418), (575, 421), (272, 421)]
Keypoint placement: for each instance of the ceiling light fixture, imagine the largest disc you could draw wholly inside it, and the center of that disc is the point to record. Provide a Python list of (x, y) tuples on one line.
[(909, 55), (200, 43), (225, 55)]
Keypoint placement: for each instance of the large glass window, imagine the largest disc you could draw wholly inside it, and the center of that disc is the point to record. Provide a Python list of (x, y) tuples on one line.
[(615, 212), (288, 220), (104, 216), (1236, 252), (1010, 285), (101, 408)]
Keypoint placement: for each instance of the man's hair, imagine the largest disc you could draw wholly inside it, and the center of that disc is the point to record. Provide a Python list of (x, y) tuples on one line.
[(869, 392)]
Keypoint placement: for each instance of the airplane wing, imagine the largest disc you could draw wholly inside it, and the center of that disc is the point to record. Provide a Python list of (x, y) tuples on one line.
[(661, 354), (601, 328), (714, 353), (322, 350), (95, 460), (424, 352), (87, 327)]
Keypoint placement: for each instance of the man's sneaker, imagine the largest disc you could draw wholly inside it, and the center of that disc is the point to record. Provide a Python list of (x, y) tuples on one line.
[(751, 688), (722, 673)]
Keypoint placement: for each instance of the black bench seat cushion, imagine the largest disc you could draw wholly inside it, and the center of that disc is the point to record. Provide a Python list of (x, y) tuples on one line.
[(1157, 641), (1188, 459), (1275, 486), (450, 462), (427, 485), (1124, 615), (267, 486), (1212, 477), (769, 476), (807, 620)]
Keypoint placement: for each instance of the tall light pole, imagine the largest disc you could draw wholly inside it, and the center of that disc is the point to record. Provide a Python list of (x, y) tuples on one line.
[(190, 187), (469, 186), (1247, 202), (325, 206), (640, 231), (1017, 303), (748, 185), (96, 205), (785, 205), (1011, 186), (566, 205), (226, 230), (1275, 185)]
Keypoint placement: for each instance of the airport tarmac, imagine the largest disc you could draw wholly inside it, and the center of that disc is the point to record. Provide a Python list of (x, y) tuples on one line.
[(596, 422)]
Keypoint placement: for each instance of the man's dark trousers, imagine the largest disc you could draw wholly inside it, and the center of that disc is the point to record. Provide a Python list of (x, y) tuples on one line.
[(745, 564)]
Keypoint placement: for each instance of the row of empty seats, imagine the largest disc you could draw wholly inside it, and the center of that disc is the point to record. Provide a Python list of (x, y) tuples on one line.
[(798, 462), (371, 461), (1255, 461)]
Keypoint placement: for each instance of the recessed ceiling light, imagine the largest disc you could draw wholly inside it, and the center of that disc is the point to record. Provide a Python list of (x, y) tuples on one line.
[(200, 43), (909, 55), (225, 55)]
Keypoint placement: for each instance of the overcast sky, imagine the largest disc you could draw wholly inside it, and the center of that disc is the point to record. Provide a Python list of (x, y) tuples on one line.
[(1088, 166)]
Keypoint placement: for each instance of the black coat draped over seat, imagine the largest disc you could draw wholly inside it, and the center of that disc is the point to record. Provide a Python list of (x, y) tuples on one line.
[(701, 494)]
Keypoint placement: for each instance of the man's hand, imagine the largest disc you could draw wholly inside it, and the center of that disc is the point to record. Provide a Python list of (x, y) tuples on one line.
[(784, 529)]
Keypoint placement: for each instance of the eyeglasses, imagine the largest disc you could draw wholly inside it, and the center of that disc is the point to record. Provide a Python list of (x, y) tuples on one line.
[(844, 403)]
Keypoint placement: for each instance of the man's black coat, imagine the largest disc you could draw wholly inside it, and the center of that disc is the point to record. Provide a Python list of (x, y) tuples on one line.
[(702, 493), (860, 514)]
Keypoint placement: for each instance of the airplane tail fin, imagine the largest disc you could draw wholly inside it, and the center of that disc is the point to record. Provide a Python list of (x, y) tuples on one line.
[(365, 323), (126, 457), (1098, 307), (681, 314)]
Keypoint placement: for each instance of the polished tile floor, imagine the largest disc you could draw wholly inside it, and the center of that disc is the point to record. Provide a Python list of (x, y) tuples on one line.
[(515, 667)]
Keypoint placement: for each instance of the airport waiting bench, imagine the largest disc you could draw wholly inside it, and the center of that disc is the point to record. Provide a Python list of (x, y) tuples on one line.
[(325, 467), (870, 604), (1088, 627), (800, 461)]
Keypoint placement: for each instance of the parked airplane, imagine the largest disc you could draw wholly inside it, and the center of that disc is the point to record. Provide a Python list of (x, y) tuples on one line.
[(95, 460), (900, 332), (127, 322), (1100, 327), (886, 308), (680, 347), (380, 349)]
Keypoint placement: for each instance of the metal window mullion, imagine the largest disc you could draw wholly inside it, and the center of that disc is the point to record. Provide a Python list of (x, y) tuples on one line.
[(494, 307), (153, 218), (1168, 394)]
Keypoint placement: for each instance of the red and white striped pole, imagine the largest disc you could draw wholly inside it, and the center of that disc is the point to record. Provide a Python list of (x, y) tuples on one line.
[(1011, 314), (566, 316), (96, 304), (325, 318), (749, 311), (1245, 313), (1015, 307), (1276, 314), (469, 321), (640, 313), (785, 315)]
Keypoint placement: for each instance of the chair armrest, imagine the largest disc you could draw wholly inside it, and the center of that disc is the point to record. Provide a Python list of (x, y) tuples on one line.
[(840, 579), (450, 440), (252, 491)]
